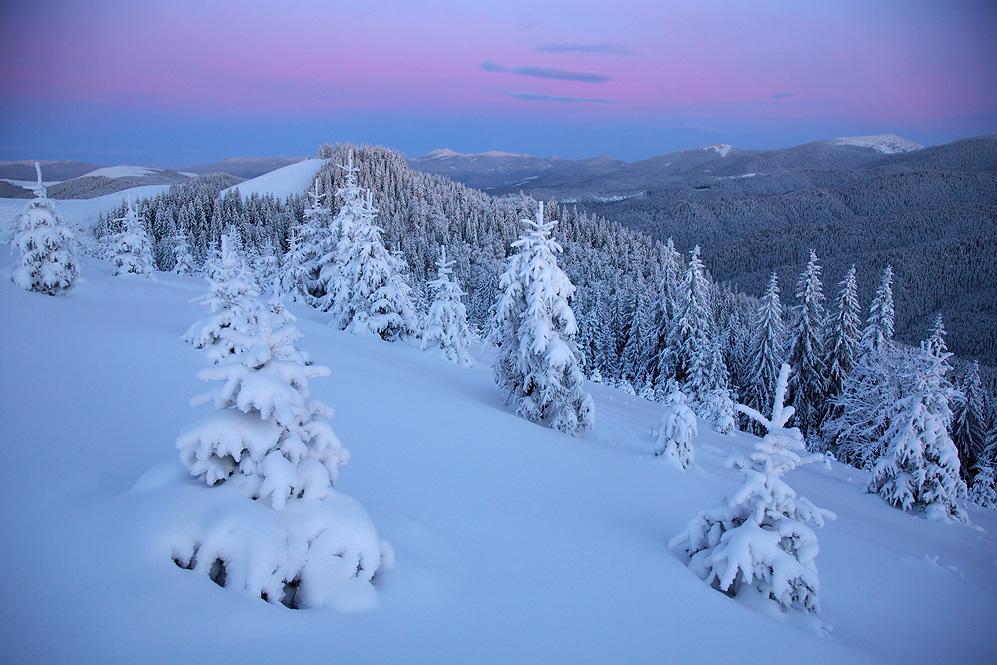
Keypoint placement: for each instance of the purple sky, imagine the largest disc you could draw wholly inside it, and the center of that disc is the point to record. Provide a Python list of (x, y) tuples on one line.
[(183, 82)]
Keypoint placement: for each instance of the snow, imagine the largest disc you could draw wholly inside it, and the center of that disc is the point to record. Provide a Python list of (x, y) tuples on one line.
[(514, 543), (29, 184), (81, 213), (447, 153), (721, 149), (283, 182), (121, 171), (887, 144)]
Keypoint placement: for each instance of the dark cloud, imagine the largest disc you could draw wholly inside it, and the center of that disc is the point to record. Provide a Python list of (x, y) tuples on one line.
[(539, 97), (546, 73), (781, 95), (601, 47)]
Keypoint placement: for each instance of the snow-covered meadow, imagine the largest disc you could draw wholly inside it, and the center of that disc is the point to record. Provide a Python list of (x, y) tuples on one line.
[(513, 542)]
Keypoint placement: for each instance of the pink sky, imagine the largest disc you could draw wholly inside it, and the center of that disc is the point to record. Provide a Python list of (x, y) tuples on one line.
[(921, 67)]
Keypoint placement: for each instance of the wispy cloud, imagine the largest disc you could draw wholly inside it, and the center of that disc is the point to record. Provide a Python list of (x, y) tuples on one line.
[(539, 97), (600, 47), (547, 73), (781, 95)]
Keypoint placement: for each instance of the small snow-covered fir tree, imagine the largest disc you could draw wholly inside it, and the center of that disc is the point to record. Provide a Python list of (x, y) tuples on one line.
[(232, 300), (767, 349), (694, 356), (808, 383), (294, 278), (302, 544), (538, 364), (47, 263), (843, 335), (677, 430), (878, 331), (264, 263), (919, 466), (861, 413), (332, 247), (183, 260), (758, 537), (719, 410), (132, 248), (968, 425), (446, 323), (266, 434), (370, 295), (983, 491)]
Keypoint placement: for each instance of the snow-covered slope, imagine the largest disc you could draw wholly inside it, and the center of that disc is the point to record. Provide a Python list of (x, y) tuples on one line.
[(514, 543), (80, 213), (285, 181), (888, 144), (122, 171), (722, 149)]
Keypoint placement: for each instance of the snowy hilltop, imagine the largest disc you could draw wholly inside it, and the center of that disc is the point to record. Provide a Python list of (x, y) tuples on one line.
[(888, 144)]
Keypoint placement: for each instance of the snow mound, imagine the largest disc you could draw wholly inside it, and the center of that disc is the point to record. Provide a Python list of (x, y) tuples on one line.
[(888, 144), (81, 213), (720, 148), (311, 554), (285, 181), (121, 171)]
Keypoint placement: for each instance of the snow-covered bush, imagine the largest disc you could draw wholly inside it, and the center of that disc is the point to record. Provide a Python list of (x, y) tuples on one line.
[(758, 536), (446, 323), (538, 364), (47, 264), (131, 248), (919, 467), (677, 430), (232, 300)]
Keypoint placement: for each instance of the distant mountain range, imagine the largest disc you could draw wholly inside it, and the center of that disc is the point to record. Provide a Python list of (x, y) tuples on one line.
[(868, 200), (604, 178)]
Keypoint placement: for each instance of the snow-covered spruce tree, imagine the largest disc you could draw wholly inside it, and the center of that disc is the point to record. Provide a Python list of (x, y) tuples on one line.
[(446, 323), (231, 297), (307, 545), (355, 214), (47, 264), (132, 248), (919, 468), (696, 360), (968, 425), (861, 413), (671, 298), (719, 410), (878, 331), (843, 335), (264, 263), (183, 260), (808, 382), (266, 434), (983, 491), (538, 365), (294, 271), (371, 298), (767, 349), (677, 430), (758, 537)]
